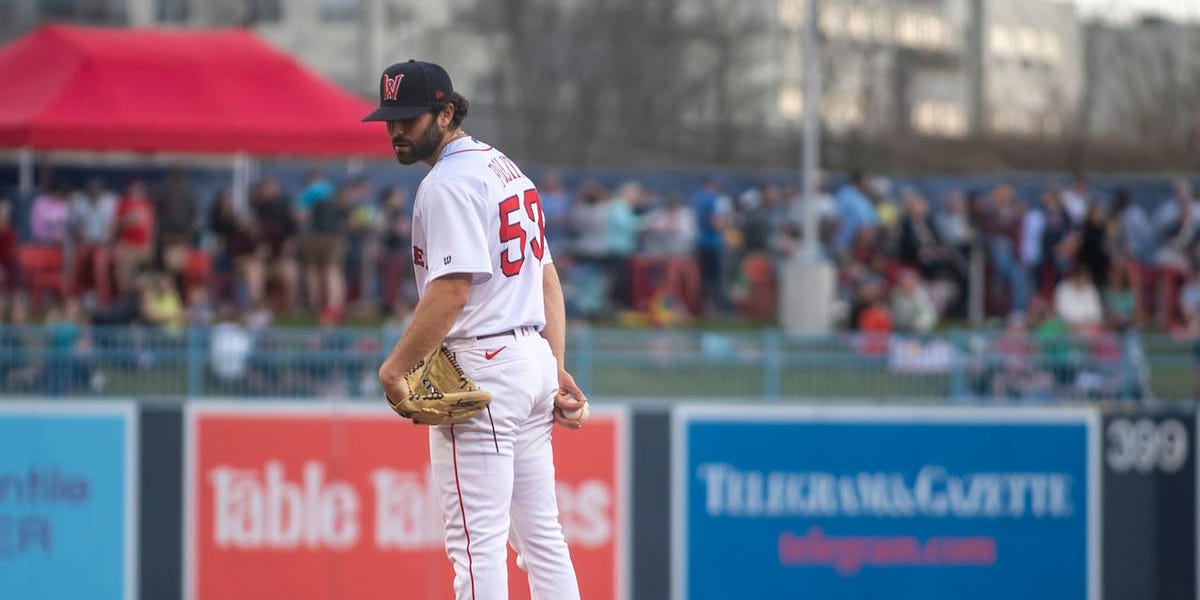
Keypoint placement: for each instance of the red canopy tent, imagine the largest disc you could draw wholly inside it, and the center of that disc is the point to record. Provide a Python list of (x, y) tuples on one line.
[(162, 90)]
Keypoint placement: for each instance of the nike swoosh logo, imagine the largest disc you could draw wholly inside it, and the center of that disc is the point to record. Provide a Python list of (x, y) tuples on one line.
[(493, 353)]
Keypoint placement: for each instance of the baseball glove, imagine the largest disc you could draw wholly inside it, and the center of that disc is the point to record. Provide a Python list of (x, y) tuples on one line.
[(439, 392)]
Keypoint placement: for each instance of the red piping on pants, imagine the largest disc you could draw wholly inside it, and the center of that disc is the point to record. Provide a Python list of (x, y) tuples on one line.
[(463, 509)]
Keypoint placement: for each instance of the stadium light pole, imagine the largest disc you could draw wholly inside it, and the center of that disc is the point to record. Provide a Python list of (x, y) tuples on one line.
[(807, 280), (812, 130)]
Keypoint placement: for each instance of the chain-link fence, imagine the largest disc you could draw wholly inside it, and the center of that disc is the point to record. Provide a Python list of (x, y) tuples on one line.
[(230, 360)]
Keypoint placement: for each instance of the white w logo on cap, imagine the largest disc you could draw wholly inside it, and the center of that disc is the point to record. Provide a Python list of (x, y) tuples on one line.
[(391, 85)]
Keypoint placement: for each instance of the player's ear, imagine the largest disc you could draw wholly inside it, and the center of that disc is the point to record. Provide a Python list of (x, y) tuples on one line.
[(446, 115)]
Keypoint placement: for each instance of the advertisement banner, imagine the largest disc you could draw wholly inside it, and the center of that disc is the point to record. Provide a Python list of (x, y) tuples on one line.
[(68, 500), (316, 501), (1149, 504), (882, 502)]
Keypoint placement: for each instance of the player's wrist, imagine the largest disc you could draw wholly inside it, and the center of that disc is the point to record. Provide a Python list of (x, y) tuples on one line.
[(390, 371)]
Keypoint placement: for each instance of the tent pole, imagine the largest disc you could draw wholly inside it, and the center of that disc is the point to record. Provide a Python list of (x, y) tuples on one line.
[(241, 182), (25, 159)]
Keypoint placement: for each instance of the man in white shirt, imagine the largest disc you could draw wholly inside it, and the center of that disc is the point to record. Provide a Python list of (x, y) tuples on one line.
[(1077, 302), (490, 294)]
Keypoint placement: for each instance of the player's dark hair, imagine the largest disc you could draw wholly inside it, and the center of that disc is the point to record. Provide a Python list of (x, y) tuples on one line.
[(461, 106)]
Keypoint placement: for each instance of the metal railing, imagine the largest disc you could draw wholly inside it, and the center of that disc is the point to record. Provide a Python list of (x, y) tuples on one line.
[(227, 360)]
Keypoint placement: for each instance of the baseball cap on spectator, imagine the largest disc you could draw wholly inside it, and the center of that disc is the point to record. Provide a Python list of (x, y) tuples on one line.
[(410, 88)]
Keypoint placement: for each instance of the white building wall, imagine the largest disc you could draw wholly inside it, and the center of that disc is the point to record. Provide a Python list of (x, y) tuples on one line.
[(1033, 66)]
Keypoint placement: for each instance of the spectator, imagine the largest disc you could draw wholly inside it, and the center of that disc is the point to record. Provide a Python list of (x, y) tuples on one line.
[(91, 216), (713, 220), (621, 229), (1171, 211), (670, 236), (1178, 235), (26, 360), (1077, 198), (754, 287), (134, 232), (671, 230), (589, 220), (874, 321), (913, 309), (178, 219), (68, 367), (199, 312), (1018, 375), (1122, 301), (855, 211), (230, 348), (1077, 302), (49, 216), (879, 193), (273, 259), (316, 189), (953, 224), (8, 255), (1135, 238), (1048, 241), (325, 250), (161, 305), (361, 235), (1001, 224), (1189, 299), (556, 206), (1094, 251), (395, 257), (236, 240), (920, 246)]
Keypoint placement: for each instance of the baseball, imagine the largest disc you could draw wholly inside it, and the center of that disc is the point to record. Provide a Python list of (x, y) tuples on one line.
[(578, 415)]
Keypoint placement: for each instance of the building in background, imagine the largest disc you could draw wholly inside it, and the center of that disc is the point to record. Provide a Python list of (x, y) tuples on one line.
[(953, 69), (944, 68)]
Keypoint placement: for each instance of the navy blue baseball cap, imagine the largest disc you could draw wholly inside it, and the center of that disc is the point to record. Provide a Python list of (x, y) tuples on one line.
[(410, 88)]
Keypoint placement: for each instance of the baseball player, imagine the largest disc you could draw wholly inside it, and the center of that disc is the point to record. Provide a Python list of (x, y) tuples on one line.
[(489, 293)]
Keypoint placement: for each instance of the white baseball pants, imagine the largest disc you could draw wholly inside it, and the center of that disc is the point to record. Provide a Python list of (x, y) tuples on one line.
[(497, 473)]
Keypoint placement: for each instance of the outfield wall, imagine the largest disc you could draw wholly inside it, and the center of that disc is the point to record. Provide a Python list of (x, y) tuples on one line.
[(218, 499)]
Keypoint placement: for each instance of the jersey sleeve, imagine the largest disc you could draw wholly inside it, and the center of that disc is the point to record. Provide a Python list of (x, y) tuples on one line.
[(546, 258), (456, 233)]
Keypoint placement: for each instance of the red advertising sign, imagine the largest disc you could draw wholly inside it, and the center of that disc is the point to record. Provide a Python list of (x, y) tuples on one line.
[(319, 501)]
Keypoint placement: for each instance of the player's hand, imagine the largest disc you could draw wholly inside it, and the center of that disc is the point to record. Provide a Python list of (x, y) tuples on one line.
[(394, 386), (568, 398)]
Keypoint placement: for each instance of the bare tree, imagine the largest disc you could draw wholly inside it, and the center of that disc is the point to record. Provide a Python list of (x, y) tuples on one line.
[(1148, 87)]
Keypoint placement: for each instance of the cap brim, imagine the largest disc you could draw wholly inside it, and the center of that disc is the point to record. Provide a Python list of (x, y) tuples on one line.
[(395, 113)]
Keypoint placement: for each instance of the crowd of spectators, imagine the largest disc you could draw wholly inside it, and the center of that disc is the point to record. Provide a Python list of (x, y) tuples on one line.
[(158, 255), (904, 262)]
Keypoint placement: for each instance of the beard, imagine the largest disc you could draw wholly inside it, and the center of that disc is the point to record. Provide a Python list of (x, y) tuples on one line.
[(424, 146)]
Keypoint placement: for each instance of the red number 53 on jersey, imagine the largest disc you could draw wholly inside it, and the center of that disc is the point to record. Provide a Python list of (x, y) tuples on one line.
[(512, 228)]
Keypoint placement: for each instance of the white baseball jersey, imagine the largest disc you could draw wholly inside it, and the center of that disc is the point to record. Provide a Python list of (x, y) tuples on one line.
[(476, 212)]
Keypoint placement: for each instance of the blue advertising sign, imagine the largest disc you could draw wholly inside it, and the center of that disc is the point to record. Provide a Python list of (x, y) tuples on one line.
[(68, 501), (830, 503)]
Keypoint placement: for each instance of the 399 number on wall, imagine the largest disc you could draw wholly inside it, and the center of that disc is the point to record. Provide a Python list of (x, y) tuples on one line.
[(1145, 444)]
